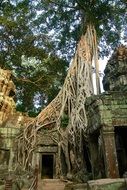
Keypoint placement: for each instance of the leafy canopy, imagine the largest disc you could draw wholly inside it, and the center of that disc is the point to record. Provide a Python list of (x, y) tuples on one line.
[(68, 20), (38, 72), (37, 37)]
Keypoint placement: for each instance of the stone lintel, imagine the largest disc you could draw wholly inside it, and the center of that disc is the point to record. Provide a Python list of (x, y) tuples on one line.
[(47, 149)]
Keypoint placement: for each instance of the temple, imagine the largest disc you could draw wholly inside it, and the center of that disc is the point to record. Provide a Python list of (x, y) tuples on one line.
[(107, 120), (11, 123), (104, 151)]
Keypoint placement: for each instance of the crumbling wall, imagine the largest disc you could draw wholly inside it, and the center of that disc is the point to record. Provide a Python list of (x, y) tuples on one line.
[(11, 122), (7, 91), (115, 78), (105, 112)]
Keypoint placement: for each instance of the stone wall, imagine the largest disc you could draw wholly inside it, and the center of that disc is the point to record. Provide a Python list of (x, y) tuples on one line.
[(7, 91), (106, 113), (102, 184), (107, 109), (116, 71)]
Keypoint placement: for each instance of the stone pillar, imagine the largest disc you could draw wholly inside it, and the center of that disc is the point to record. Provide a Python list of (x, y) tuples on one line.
[(38, 160), (33, 163), (57, 165), (36, 172), (110, 156)]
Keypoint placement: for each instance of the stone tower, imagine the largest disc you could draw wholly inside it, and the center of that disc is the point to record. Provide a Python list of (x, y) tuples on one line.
[(115, 78), (7, 92), (107, 120)]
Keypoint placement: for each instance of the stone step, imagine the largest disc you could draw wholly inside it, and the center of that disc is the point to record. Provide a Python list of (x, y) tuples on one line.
[(51, 184)]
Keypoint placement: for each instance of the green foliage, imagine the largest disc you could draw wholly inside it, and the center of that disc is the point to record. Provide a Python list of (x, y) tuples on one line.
[(38, 82), (46, 32), (38, 72), (68, 20), (64, 121)]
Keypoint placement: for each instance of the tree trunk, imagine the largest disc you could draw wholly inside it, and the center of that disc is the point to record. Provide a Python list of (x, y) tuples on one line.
[(70, 101)]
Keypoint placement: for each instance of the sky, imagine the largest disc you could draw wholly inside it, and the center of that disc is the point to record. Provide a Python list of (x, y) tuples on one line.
[(102, 65)]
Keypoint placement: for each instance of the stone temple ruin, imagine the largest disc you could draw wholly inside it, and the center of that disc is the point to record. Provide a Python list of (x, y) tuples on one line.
[(11, 122), (107, 120), (105, 152)]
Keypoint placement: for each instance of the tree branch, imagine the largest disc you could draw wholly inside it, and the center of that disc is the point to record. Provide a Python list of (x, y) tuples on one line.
[(29, 81)]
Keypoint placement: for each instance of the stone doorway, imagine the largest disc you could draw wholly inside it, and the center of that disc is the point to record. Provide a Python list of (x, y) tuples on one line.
[(47, 166), (121, 149), (86, 154)]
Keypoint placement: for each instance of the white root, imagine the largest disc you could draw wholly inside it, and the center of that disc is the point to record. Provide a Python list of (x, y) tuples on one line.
[(70, 100)]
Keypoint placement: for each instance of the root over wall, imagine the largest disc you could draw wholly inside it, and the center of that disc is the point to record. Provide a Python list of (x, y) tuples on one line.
[(66, 113)]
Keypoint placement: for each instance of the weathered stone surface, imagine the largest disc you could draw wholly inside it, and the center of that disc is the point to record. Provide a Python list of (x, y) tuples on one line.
[(46, 138), (7, 91), (2, 187), (79, 186), (101, 184), (107, 184), (116, 71), (105, 112), (11, 122), (110, 108), (51, 184), (47, 149)]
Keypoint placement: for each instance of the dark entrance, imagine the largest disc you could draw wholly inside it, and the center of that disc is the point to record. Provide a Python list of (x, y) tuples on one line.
[(47, 166), (87, 158), (121, 149)]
